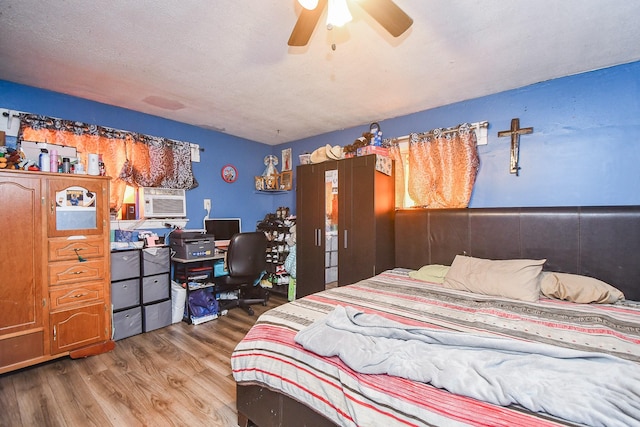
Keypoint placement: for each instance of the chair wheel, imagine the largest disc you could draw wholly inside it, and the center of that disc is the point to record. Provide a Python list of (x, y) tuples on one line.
[(250, 311)]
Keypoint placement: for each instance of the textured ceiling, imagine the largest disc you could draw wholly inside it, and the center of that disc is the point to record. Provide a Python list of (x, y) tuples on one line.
[(225, 64)]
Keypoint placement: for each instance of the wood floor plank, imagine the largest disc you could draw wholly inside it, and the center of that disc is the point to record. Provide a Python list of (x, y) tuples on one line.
[(9, 404), (73, 394), (36, 401), (174, 376)]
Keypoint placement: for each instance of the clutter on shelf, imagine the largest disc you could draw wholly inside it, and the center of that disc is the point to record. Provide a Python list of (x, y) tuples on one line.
[(369, 143), (271, 179), (278, 229)]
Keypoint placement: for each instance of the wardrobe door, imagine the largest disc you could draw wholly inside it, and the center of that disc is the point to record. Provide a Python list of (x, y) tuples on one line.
[(310, 214), (356, 231), (366, 220), (21, 284)]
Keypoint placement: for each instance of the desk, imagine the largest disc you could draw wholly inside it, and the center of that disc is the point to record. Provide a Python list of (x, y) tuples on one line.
[(196, 274), (188, 261)]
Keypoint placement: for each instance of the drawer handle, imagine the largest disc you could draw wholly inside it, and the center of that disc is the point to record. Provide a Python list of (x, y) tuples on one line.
[(79, 295), (79, 272), (80, 259)]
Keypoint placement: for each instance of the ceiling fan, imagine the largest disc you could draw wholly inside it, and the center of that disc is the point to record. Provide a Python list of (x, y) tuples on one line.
[(386, 12)]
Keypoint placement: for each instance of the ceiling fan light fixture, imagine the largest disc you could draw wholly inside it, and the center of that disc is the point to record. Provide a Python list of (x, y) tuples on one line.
[(338, 13), (308, 4)]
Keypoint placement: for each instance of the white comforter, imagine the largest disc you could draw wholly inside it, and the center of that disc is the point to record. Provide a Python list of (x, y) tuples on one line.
[(591, 388)]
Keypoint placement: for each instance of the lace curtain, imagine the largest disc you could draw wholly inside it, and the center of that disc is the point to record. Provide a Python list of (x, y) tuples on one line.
[(130, 158), (442, 168)]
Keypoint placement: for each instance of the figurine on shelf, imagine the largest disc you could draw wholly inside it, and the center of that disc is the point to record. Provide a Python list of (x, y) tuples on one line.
[(271, 182), (270, 162)]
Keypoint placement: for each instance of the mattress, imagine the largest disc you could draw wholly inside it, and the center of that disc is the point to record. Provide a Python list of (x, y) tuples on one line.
[(268, 355)]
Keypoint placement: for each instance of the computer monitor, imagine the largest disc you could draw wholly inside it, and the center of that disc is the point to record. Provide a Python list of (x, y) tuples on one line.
[(222, 229)]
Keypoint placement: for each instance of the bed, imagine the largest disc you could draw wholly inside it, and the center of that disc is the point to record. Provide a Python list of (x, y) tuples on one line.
[(281, 383)]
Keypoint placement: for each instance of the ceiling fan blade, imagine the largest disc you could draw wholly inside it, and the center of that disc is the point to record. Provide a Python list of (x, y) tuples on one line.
[(388, 14), (306, 24)]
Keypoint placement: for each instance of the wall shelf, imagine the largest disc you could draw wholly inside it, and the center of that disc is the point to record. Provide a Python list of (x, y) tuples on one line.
[(272, 191), (143, 224)]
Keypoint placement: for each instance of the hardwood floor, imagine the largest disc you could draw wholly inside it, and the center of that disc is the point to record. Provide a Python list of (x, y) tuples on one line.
[(175, 376)]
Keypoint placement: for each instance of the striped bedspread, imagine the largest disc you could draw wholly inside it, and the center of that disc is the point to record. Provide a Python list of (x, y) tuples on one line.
[(269, 356)]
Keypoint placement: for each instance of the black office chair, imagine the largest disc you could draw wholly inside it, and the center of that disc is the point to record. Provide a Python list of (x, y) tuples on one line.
[(245, 262)]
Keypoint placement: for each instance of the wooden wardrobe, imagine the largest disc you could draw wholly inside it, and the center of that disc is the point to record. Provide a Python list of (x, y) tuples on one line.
[(365, 211), (55, 275)]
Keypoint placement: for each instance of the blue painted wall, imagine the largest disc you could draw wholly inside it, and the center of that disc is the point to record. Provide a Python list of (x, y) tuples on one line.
[(584, 149)]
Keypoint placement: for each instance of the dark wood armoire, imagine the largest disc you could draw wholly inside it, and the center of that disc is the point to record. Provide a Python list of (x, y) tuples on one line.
[(355, 215)]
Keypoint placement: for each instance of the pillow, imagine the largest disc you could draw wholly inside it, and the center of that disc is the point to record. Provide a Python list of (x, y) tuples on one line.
[(515, 278), (433, 273), (576, 288)]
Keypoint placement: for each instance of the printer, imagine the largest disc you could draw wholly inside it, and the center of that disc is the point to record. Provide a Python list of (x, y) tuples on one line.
[(192, 245)]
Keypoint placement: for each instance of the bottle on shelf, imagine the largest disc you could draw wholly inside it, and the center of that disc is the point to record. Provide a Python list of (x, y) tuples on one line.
[(45, 163), (53, 160), (66, 165)]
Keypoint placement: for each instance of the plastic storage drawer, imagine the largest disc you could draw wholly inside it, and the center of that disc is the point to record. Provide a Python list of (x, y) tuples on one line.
[(127, 323), (125, 265), (155, 288), (157, 315), (125, 293), (156, 261)]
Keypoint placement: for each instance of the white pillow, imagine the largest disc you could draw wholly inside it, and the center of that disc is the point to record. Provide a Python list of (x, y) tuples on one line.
[(515, 278)]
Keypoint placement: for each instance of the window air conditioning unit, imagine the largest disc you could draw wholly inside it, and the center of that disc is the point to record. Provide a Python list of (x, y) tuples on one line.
[(154, 202)]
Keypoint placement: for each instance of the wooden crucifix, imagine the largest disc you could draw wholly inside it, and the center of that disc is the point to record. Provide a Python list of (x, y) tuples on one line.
[(515, 133)]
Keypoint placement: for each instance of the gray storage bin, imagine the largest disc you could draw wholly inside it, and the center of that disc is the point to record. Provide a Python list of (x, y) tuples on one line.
[(155, 288), (127, 323), (156, 260), (125, 293), (125, 264), (156, 315)]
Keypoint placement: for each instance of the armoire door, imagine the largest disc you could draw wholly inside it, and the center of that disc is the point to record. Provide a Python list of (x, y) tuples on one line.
[(366, 206), (76, 207), (310, 228), (356, 240), (21, 283)]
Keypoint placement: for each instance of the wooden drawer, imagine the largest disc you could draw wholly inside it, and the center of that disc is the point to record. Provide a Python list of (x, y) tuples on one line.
[(64, 272), (65, 296), (61, 249)]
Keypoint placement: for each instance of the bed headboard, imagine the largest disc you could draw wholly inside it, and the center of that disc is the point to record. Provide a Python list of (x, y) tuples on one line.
[(600, 242)]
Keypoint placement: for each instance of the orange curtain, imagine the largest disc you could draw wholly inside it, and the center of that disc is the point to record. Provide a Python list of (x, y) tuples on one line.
[(443, 165), (129, 157)]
